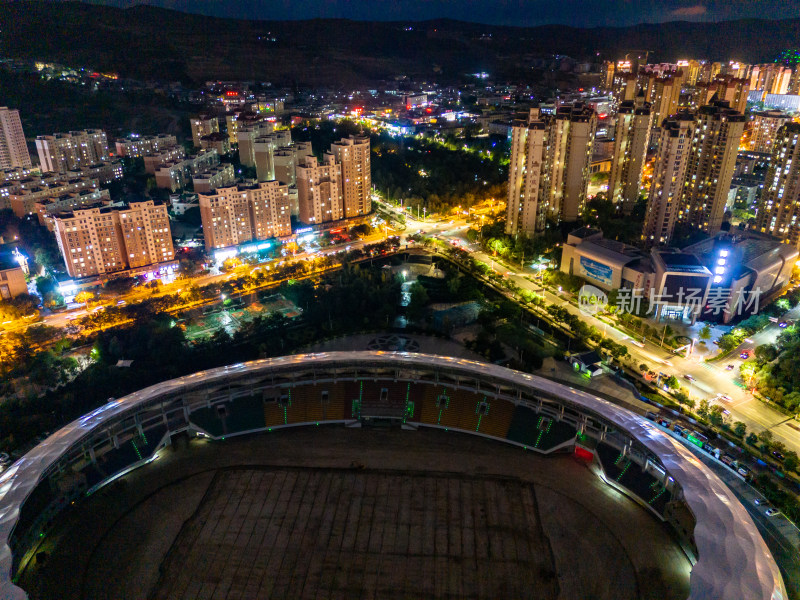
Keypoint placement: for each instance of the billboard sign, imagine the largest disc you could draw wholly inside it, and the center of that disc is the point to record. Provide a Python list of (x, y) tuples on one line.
[(596, 271)]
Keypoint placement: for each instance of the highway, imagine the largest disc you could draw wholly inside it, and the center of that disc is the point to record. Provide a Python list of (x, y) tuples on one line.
[(709, 379)]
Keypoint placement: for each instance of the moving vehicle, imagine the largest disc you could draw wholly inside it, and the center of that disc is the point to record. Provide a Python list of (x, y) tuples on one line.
[(761, 502), (688, 377), (724, 397), (729, 367)]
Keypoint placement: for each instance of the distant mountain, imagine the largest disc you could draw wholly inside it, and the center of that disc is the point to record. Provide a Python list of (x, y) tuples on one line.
[(153, 43)]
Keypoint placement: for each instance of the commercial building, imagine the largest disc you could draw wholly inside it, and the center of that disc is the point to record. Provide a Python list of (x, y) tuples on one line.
[(203, 125), (749, 270), (669, 174), (675, 284), (764, 127), (13, 149), (714, 146), (236, 215), (207, 181), (137, 146), (607, 264), (779, 210), (62, 152), (319, 190), (631, 137), (111, 241), (353, 153)]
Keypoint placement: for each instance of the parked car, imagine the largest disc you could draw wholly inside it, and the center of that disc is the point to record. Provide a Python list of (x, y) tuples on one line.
[(771, 512), (762, 502), (777, 455)]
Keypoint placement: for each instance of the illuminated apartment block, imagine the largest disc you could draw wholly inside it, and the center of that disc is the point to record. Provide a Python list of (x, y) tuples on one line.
[(236, 215), (202, 126), (353, 154), (710, 170), (526, 203), (101, 241), (669, 172), (631, 137), (13, 149), (319, 190), (779, 211)]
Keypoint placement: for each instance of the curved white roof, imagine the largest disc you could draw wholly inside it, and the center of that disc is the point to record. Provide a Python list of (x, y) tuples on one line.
[(733, 560)]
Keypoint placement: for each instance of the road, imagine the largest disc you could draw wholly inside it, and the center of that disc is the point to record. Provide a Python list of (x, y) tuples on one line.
[(709, 379)]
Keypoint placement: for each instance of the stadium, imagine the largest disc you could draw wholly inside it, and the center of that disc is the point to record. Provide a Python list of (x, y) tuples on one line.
[(372, 475)]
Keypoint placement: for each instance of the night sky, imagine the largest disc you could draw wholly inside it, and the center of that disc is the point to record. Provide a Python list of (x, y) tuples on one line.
[(580, 13)]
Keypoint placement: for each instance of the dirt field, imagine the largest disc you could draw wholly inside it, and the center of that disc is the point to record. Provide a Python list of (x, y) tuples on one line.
[(430, 515)]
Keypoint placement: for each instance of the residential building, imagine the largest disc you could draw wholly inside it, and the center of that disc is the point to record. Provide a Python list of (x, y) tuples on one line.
[(765, 126), (570, 142), (664, 95), (219, 176), (241, 119), (236, 215), (779, 210), (12, 275), (216, 141), (13, 149), (203, 125), (174, 174), (353, 153), (246, 137), (631, 137), (45, 208), (319, 190), (669, 173), (263, 148), (106, 241), (153, 162), (62, 152), (146, 234), (22, 200), (715, 145), (527, 200), (146, 145), (285, 165)]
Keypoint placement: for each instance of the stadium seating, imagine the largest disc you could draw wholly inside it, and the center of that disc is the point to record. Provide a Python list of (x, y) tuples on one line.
[(632, 477), (537, 431)]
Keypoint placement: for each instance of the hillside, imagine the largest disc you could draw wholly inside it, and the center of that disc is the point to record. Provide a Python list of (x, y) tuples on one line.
[(154, 43)]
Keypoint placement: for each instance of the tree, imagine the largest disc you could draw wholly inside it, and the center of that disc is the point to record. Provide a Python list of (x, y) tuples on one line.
[(644, 368), (84, 297), (705, 333), (418, 300), (715, 415), (703, 409), (790, 461), (672, 383), (752, 439), (739, 429)]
